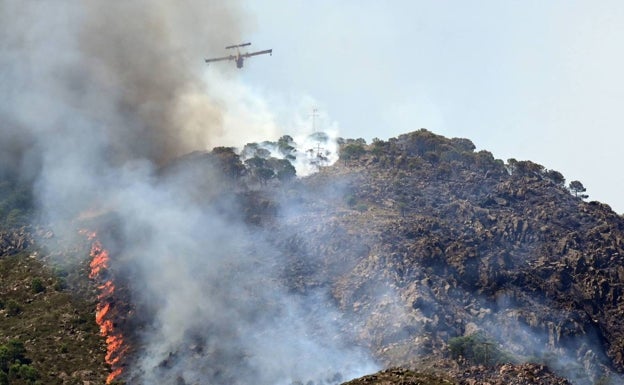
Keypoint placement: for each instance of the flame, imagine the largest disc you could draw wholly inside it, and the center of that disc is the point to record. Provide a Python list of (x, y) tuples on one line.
[(115, 348), (99, 260)]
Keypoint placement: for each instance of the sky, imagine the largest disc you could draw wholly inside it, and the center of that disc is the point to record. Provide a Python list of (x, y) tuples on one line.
[(530, 80)]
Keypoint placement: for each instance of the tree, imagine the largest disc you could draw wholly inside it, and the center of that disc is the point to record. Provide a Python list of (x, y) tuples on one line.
[(556, 177), (578, 189), (264, 174), (228, 161), (282, 168), (11, 353), (528, 168), (351, 151), (286, 147), (463, 144)]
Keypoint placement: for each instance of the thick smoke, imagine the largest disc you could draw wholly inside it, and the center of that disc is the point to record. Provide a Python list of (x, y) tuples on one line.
[(97, 96), (94, 86)]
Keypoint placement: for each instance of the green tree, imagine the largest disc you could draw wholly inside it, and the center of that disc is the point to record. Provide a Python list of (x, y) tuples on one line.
[(285, 144), (352, 151), (578, 189), (5, 358), (264, 174), (528, 168), (11, 353), (379, 147), (463, 144), (282, 168), (556, 177), (228, 161)]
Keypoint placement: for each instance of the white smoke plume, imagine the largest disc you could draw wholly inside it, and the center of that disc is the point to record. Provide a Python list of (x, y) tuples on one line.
[(97, 96)]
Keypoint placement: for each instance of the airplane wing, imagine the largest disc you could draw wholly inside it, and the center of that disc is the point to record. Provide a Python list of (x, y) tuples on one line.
[(237, 45), (258, 53), (230, 57)]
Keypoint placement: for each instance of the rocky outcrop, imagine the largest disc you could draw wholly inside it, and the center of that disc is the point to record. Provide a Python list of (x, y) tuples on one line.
[(14, 240), (526, 374)]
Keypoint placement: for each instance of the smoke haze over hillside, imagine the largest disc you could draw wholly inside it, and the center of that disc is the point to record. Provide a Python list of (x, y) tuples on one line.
[(98, 95)]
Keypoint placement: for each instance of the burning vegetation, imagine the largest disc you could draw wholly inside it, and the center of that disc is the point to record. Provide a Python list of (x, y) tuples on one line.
[(115, 347)]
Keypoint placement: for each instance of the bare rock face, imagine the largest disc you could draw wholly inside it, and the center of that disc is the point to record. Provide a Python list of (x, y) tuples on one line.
[(15, 240)]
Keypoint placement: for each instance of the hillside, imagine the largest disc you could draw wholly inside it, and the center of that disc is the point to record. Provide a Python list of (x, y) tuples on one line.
[(426, 240), (48, 333), (419, 252)]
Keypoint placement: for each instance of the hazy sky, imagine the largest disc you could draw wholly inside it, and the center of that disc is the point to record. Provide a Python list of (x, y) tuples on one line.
[(537, 80)]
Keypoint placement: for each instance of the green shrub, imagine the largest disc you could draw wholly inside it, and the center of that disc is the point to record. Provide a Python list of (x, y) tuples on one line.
[(37, 285), (352, 151), (13, 308), (478, 349), (11, 353), (60, 284), (350, 200), (23, 371)]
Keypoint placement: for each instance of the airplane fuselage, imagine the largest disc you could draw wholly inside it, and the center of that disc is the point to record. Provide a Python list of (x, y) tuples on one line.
[(239, 57)]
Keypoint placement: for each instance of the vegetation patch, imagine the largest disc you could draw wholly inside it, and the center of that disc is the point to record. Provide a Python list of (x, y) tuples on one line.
[(478, 349), (46, 336)]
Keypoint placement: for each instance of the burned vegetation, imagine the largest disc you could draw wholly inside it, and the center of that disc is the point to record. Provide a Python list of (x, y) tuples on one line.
[(419, 252)]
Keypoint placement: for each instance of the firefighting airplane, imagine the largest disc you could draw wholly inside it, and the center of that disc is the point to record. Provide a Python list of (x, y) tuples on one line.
[(239, 57)]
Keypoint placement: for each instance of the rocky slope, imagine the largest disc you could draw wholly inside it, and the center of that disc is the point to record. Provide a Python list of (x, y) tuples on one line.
[(424, 240), (440, 259), (526, 374)]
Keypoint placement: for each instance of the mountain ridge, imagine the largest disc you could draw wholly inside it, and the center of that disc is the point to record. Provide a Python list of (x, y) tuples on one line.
[(421, 244)]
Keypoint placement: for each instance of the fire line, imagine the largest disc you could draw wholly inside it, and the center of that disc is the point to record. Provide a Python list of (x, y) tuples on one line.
[(115, 348)]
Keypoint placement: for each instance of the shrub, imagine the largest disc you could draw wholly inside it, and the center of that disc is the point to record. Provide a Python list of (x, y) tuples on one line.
[(37, 285), (13, 308), (556, 177), (477, 349), (11, 353), (351, 200), (23, 371), (351, 151), (60, 284)]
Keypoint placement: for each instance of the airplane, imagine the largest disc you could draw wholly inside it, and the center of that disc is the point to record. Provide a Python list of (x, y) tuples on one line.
[(239, 57)]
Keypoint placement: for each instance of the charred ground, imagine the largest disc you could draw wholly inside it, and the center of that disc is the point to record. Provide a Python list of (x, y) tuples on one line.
[(424, 241)]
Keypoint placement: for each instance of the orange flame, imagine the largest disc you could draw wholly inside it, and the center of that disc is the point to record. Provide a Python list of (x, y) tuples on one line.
[(115, 348)]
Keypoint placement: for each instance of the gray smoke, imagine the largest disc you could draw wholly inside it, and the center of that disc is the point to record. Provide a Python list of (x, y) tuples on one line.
[(93, 86), (96, 97)]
